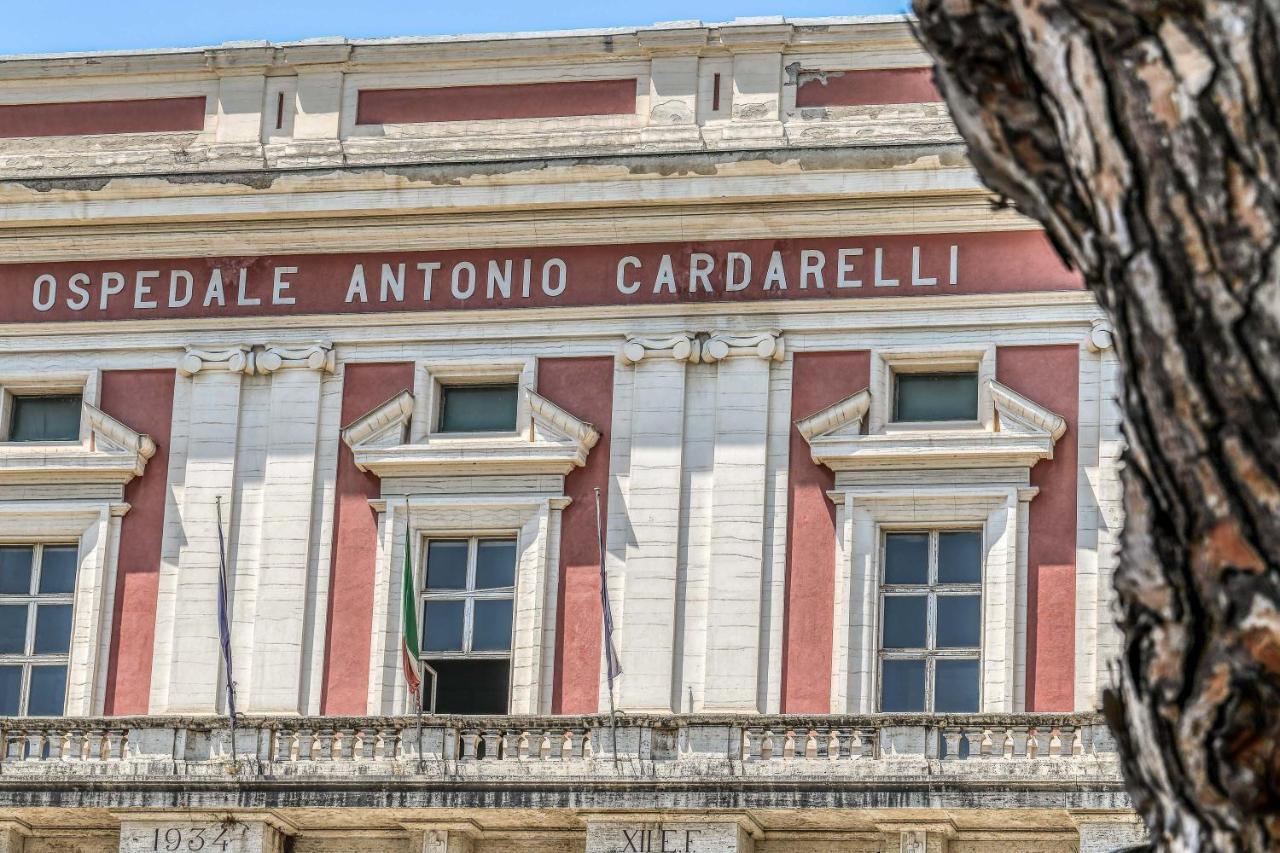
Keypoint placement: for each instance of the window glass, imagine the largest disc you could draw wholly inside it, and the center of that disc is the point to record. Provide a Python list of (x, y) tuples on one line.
[(905, 618), (48, 691), (52, 418), (902, 685), (15, 570), (443, 624), (10, 690), (447, 564), (906, 558), (13, 629), (959, 621), (960, 556), (495, 563), (478, 408), (936, 397), (956, 686), (492, 632), (53, 629)]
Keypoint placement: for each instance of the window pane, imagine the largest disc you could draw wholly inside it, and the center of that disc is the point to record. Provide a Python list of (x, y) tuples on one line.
[(13, 629), (45, 418), (902, 685), (904, 621), (15, 570), (48, 691), (58, 569), (492, 629), (471, 686), (447, 564), (478, 408), (955, 686), (10, 690), (53, 629), (960, 557), (937, 397), (906, 558), (495, 563), (959, 620), (442, 626)]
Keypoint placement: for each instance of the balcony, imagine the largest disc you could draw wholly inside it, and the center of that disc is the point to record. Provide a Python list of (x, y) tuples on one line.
[(1041, 761)]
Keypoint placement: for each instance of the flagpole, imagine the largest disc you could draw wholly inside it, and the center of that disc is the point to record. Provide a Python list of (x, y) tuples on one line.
[(611, 666), (224, 627)]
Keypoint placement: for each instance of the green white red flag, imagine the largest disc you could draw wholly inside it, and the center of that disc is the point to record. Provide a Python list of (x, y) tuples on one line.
[(409, 631)]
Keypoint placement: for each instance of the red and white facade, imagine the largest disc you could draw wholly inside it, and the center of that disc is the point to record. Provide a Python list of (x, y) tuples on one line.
[(702, 258)]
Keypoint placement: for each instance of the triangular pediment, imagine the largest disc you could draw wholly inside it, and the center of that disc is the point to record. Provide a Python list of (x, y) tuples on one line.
[(843, 418), (110, 453)]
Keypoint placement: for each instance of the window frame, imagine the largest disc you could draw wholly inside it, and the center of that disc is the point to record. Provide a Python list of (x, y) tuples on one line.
[(932, 590), (469, 594), (13, 392), (442, 389), (32, 599), (929, 370)]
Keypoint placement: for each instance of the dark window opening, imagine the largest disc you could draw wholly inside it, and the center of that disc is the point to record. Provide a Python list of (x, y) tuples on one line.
[(478, 408), (45, 418), (936, 397), (469, 686)]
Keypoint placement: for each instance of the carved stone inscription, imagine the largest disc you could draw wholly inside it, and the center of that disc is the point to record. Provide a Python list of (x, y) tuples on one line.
[(673, 837)]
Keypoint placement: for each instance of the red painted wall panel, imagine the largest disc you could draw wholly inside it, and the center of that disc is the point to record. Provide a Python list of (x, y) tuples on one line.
[(818, 380), (143, 400), (583, 387), (355, 540), (870, 87), (576, 276), (472, 103), (1050, 375), (80, 118)]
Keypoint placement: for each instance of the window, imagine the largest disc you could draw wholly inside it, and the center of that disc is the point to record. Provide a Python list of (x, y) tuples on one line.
[(478, 408), (931, 621), (935, 397), (36, 587), (44, 418), (468, 608)]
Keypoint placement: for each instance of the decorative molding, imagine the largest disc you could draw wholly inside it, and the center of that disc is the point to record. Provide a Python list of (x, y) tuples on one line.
[(683, 346), (117, 436), (385, 421), (1010, 405), (721, 345), (316, 356), (543, 412), (845, 416), (1099, 337), (1022, 433), (236, 359)]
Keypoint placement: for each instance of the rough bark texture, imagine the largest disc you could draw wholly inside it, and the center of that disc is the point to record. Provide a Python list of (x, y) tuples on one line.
[(1144, 136)]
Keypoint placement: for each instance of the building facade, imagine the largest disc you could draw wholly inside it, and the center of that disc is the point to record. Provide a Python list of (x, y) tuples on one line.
[(425, 331)]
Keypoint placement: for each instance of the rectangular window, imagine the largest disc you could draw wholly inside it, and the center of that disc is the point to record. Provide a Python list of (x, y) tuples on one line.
[(44, 418), (931, 621), (468, 610), (478, 408), (935, 397), (37, 584)]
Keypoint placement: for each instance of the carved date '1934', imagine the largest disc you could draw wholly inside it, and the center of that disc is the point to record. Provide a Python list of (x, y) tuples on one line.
[(193, 839)]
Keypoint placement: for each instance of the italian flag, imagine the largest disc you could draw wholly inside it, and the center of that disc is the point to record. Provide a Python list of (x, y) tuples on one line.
[(409, 631)]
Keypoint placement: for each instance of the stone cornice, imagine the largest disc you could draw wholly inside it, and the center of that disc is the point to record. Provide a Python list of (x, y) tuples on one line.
[(113, 454), (388, 419), (847, 414), (548, 415)]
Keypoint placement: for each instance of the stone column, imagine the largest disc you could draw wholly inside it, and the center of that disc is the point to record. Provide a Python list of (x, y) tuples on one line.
[(1104, 832), (647, 639), (702, 833), (737, 518), (13, 836), (280, 611), (757, 80), (187, 668), (673, 82), (186, 831)]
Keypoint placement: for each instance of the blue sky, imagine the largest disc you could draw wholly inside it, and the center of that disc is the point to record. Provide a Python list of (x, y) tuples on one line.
[(73, 25)]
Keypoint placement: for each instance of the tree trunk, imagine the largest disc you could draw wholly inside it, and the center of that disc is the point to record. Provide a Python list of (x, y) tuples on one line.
[(1143, 135)]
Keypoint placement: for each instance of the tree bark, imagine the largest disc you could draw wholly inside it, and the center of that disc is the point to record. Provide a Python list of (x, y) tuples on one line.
[(1143, 135)]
